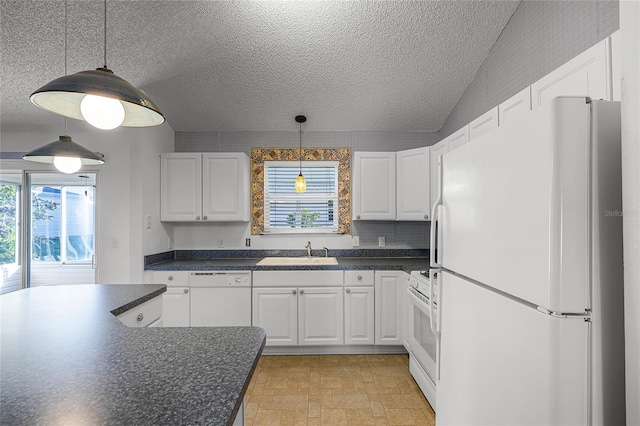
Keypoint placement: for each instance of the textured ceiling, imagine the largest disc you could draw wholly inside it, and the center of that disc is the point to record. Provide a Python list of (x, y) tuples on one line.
[(254, 65)]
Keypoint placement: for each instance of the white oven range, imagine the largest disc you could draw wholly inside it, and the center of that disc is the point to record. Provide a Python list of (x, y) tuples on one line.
[(422, 336)]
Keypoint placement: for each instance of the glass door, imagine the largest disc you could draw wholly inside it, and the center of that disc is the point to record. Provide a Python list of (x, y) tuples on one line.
[(62, 229), (10, 231)]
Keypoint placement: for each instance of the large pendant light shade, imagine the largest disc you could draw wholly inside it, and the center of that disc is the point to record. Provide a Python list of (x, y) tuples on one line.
[(98, 97), (65, 154), (65, 96)]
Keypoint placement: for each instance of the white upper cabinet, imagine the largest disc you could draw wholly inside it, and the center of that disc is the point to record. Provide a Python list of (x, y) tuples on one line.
[(588, 74), (374, 186), (483, 124), (225, 195), (458, 138), (198, 187), (181, 187), (412, 184), (616, 63), (515, 107)]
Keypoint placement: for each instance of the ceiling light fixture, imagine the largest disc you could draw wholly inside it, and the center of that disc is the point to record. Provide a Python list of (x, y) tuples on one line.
[(99, 97), (301, 183), (66, 155)]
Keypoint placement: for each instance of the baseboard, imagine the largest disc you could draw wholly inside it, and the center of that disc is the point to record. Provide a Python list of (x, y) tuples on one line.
[(334, 350)]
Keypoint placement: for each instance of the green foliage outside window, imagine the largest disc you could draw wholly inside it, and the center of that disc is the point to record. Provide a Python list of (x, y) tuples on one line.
[(307, 218)]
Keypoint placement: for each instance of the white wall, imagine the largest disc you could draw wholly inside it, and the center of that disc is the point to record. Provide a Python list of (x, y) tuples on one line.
[(630, 33), (128, 189)]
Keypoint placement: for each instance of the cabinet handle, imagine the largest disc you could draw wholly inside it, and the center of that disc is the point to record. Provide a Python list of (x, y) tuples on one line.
[(140, 317), (426, 216), (293, 292), (204, 218), (359, 277), (301, 291), (170, 277), (186, 290), (197, 217), (348, 290)]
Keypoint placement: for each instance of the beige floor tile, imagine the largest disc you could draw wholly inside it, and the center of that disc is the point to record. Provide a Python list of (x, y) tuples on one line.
[(335, 390), (399, 416), (267, 417), (334, 417)]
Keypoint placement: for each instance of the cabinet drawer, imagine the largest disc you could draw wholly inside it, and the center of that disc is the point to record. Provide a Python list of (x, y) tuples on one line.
[(143, 314), (297, 278), (171, 278), (358, 278)]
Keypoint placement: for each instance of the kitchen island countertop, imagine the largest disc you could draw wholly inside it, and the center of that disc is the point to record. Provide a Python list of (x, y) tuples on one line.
[(66, 359)]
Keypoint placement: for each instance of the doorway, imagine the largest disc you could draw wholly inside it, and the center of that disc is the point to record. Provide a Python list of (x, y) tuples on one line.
[(60, 212)]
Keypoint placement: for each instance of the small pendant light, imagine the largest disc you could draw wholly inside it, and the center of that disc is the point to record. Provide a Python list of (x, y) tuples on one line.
[(66, 155), (301, 183), (98, 97)]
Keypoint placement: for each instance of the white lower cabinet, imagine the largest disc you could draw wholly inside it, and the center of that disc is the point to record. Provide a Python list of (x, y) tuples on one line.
[(390, 287), (276, 310), (175, 307), (144, 314), (309, 316), (359, 316)]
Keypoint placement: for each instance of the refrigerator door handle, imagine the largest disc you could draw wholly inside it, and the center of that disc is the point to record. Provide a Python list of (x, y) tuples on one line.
[(433, 234), (435, 322)]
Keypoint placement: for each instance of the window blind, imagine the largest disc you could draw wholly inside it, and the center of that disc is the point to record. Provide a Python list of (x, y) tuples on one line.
[(287, 211)]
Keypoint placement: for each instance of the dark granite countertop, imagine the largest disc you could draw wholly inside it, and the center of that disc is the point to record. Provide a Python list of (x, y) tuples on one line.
[(406, 264), (66, 359), (403, 260)]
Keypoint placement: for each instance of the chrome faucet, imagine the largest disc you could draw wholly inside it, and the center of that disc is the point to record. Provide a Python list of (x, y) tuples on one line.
[(326, 251), (308, 247)]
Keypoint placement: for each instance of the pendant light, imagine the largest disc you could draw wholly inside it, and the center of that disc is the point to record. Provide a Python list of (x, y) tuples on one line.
[(301, 183), (98, 97), (66, 155)]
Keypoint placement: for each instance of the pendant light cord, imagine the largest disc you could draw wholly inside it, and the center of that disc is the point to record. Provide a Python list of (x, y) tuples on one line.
[(300, 149), (105, 33), (66, 23)]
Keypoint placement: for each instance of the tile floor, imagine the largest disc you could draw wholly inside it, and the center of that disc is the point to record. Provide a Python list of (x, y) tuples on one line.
[(335, 390)]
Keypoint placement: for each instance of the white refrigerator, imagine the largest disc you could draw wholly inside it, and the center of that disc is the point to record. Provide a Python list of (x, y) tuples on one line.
[(528, 243)]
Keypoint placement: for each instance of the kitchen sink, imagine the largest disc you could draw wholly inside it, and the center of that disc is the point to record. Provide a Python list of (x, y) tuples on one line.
[(297, 261)]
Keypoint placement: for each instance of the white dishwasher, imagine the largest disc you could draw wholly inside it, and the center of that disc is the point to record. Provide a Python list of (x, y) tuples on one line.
[(221, 298)]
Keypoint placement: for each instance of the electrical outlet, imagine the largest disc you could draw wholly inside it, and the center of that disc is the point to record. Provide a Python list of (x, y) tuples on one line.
[(247, 242), (148, 221), (355, 241), (381, 242), (220, 242)]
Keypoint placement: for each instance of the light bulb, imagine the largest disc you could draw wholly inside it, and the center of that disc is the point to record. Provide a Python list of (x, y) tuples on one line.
[(103, 113), (67, 164), (301, 183)]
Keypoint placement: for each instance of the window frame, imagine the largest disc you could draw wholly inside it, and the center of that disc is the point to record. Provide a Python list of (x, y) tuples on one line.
[(335, 164)]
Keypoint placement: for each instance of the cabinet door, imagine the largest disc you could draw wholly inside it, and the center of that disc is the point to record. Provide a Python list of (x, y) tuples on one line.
[(483, 124), (175, 307), (588, 74), (374, 186), (515, 107), (458, 138), (413, 187), (225, 187), (320, 313), (437, 150), (389, 303), (180, 187), (616, 63), (276, 310), (359, 316)]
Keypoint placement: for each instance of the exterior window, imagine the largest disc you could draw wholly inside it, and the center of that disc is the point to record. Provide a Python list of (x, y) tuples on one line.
[(287, 211)]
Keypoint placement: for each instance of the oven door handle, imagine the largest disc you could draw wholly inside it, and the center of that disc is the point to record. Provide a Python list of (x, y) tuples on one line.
[(424, 307)]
